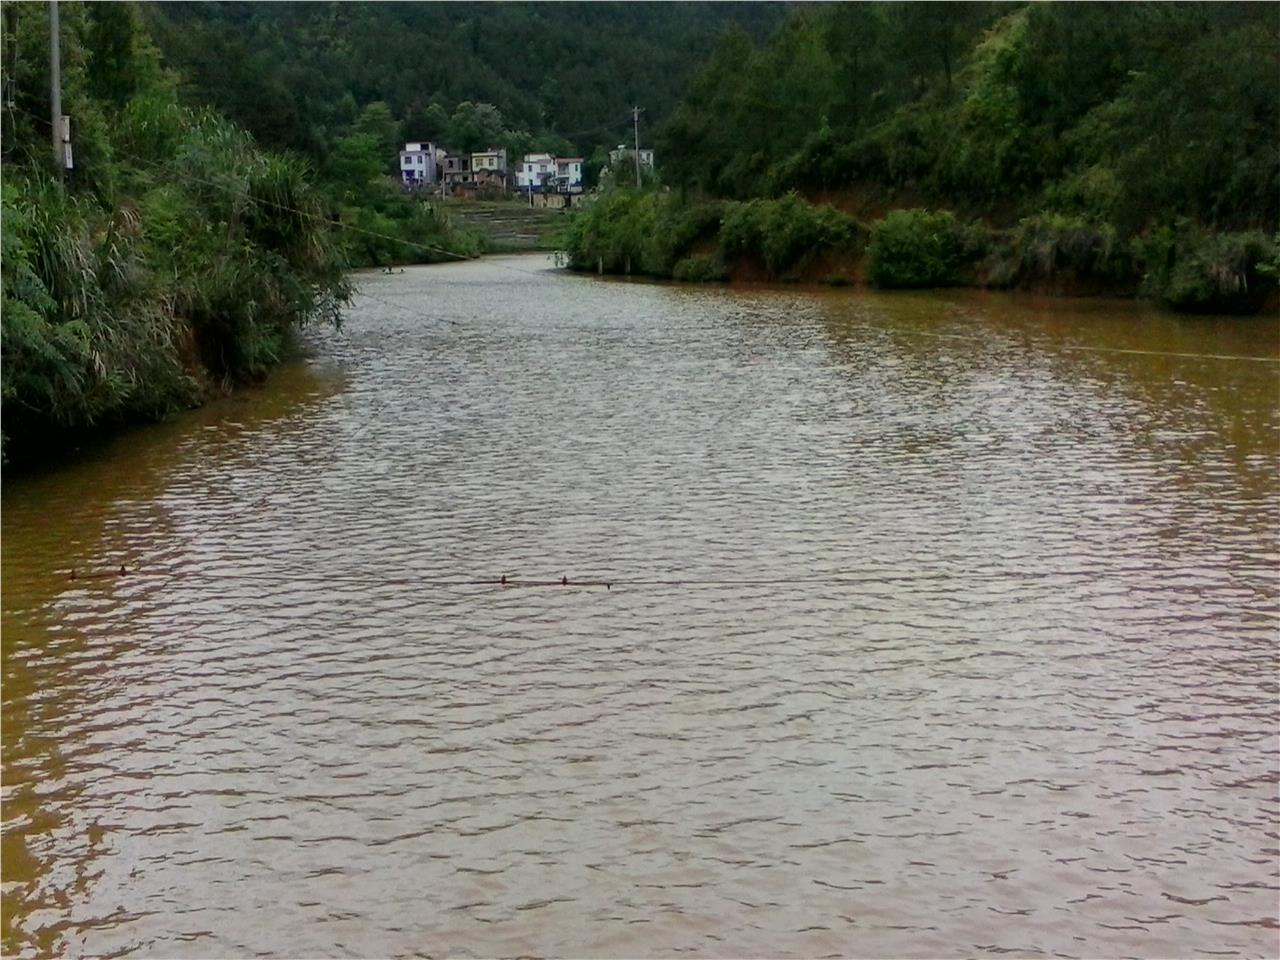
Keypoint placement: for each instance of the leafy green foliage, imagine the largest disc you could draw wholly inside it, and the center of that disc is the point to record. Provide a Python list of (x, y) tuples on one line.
[(628, 231), (1202, 272), (296, 74), (178, 254), (917, 248), (699, 268), (1051, 245), (1082, 128), (783, 233), (1135, 113)]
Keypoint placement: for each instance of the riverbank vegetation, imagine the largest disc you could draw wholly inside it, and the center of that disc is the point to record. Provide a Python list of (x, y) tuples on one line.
[(1081, 147), (174, 259), (658, 234)]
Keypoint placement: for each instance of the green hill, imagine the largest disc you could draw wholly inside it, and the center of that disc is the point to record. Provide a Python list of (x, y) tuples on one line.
[(297, 75)]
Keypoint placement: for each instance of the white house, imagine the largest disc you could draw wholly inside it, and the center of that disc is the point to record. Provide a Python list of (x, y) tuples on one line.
[(569, 174), (535, 170), (625, 154), (418, 164), (541, 172)]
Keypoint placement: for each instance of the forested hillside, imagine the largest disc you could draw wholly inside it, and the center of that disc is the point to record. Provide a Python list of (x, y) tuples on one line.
[(1126, 145), (1129, 112), (297, 75)]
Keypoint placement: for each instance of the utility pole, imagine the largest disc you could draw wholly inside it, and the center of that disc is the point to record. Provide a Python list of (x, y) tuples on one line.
[(10, 54), (635, 114), (55, 86), (10, 74)]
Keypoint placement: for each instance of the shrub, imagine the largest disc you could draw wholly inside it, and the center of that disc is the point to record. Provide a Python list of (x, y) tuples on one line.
[(1200, 272), (920, 248), (633, 232), (1051, 244), (85, 337), (784, 233), (700, 269), (211, 243), (656, 234)]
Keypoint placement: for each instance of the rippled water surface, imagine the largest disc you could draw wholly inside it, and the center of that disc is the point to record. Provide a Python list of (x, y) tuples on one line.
[(1003, 677)]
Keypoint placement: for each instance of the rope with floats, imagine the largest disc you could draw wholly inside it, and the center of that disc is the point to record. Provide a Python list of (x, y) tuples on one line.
[(502, 581)]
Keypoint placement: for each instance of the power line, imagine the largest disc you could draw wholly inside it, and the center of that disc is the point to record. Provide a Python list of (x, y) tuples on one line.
[(413, 313)]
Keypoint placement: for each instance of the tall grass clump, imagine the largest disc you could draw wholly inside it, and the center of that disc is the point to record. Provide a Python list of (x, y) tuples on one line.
[(190, 273), (85, 336), (1053, 246)]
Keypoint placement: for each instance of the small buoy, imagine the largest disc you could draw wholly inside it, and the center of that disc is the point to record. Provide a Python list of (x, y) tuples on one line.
[(608, 586), (123, 571), (564, 581), (503, 581), (73, 573)]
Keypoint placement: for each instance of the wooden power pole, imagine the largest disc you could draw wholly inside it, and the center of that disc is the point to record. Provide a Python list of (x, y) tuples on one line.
[(635, 114), (55, 86)]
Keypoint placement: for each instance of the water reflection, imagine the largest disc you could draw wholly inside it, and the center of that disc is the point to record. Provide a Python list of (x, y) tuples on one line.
[(59, 729), (1035, 714)]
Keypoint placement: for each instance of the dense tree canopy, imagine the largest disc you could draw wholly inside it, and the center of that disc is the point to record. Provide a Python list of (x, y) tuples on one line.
[(1131, 114), (295, 73)]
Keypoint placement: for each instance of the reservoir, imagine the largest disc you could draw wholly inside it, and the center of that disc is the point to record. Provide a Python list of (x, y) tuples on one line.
[(936, 624)]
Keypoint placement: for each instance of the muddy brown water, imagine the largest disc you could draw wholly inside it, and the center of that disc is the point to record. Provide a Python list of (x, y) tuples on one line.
[(1014, 689)]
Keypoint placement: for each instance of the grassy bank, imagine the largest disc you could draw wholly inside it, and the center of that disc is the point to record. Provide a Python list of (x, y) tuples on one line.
[(509, 226), (1186, 267), (176, 259), (184, 274)]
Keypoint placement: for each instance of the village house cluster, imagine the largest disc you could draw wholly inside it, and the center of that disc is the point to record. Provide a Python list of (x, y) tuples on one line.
[(543, 179), (426, 166)]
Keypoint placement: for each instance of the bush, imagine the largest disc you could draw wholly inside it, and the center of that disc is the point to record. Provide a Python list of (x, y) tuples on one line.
[(1199, 272), (626, 231), (920, 248), (86, 336), (1049, 245), (204, 260), (700, 269), (611, 233), (784, 233)]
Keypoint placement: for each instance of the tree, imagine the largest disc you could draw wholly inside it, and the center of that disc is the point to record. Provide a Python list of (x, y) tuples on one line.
[(475, 126), (376, 122), (355, 164), (934, 34), (121, 60), (429, 123)]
